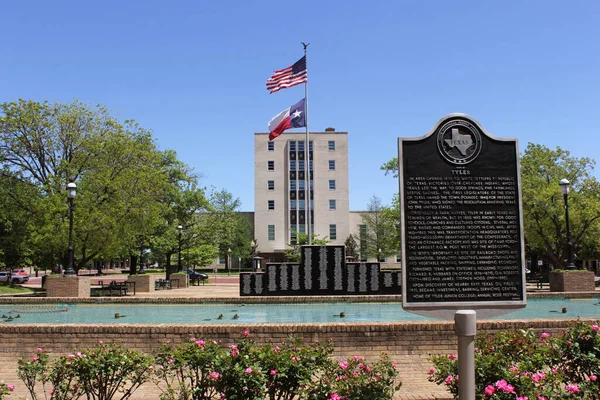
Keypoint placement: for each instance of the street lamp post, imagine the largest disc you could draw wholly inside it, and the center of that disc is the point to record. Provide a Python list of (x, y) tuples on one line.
[(179, 268), (564, 188), (71, 192), (228, 262), (253, 245)]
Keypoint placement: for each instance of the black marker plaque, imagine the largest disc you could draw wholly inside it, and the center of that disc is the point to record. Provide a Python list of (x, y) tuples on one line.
[(461, 219)]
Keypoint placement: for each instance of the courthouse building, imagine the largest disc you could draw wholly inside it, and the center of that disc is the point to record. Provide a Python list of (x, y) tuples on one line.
[(280, 206)]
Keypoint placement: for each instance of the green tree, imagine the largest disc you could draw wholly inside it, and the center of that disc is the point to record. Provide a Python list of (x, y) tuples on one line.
[(292, 254), (115, 165), (543, 204), (381, 237), (351, 247)]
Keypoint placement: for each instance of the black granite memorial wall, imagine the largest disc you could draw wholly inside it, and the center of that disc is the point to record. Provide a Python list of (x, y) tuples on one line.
[(322, 272)]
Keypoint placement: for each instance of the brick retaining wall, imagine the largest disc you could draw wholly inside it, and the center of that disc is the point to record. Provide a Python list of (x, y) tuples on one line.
[(407, 343)]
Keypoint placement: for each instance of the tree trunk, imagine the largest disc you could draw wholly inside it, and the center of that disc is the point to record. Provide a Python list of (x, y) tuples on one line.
[(132, 264)]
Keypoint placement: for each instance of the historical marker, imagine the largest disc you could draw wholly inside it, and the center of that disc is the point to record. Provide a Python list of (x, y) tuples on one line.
[(462, 230)]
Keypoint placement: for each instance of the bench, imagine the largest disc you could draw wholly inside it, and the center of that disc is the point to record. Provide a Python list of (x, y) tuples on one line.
[(540, 278), (113, 288), (161, 284)]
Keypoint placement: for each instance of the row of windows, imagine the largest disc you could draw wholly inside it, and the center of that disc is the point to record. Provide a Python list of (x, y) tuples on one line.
[(301, 229), (301, 204), (293, 186), (330, 145), (271, 165), (301, 165)]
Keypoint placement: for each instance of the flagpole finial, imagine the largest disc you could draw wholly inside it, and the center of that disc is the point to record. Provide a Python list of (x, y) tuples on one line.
[(305, 45)]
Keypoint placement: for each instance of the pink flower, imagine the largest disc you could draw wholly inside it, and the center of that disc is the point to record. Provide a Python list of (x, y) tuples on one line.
[(505, 387), (513, 368), (234, 350), (573, 388), (34, 358), (595, 327), (100, 342), (522, 398), (200, 342), (10, 387), (39, 350), (358, 358), (170, 361), (538, 377), (542, 398), (273, 372), (160, 367), (449, 379), (593, 377), (431, 371), (489, 390), (452, 356), (544, 335), (78, 354), (295, 359), (215, 376), (394, 366), (71, 356), (245, 333), (248, 370), (151, 368), (334, 396), (343, 364), (276, 349)]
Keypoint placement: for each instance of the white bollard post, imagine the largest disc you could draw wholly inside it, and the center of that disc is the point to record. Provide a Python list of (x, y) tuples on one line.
[(465, 328)]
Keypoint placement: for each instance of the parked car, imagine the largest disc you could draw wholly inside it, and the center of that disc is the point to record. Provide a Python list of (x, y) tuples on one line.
[(196, 276), (4, 276)]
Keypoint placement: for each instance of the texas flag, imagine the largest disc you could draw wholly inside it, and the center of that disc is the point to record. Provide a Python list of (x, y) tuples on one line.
[(293, 117)]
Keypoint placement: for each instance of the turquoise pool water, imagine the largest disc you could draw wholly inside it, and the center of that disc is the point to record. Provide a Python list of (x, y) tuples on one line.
[(264, 313)]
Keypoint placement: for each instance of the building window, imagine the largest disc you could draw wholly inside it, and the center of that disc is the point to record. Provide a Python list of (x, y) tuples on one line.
[(332, 232), (271, 146), (301, 184), (293, 184), (398, 258), (300, 165), (310, 165), (332, 204), (332, 165), (301, 204), (292, 204), (332, 184), (293, 145), (303, 228), (271, 165), (271, 204), (271, 232), (292, 165), (271, 185), (330, 144), (222, 259), (300, 146), (310, 146)]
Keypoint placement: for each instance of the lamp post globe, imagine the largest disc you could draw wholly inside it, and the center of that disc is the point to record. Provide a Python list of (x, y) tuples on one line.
[(229, 261), (564, 189), (71, 193)]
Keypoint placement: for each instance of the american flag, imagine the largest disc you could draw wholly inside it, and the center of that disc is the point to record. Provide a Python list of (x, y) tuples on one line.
[(288, 77)]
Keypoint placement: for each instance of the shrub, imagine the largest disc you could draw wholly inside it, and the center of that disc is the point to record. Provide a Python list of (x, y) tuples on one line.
[(103, 372), (519, 365)]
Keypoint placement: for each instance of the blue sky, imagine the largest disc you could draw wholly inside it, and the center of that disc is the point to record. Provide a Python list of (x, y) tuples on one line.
[(194, 72)]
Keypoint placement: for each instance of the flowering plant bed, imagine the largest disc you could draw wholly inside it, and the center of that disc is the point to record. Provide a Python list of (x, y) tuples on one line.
[(524, 366), (209, 370)]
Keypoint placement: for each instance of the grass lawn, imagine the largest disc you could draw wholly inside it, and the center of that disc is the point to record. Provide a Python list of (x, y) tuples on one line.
[(7, 289)]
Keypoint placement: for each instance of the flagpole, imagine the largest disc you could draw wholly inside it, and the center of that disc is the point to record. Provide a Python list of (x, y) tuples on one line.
[(307, 155)]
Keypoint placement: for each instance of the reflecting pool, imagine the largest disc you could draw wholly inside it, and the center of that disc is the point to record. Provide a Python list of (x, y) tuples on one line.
[(263, 313)]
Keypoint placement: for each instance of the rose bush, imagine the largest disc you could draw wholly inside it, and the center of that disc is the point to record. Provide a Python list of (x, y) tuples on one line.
[(524, 366), (103, 372)]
